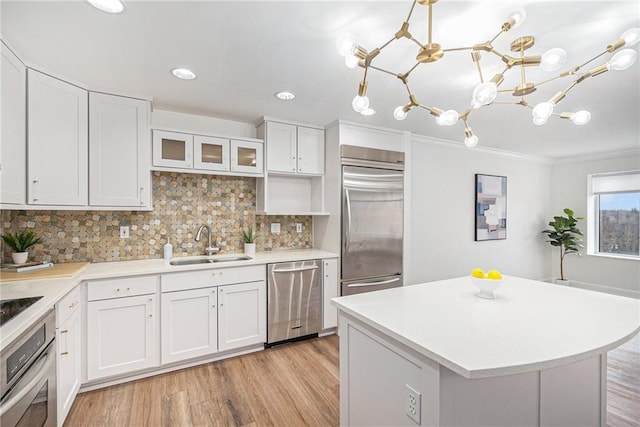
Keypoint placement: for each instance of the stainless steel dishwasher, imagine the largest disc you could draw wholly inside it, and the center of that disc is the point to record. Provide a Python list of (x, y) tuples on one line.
[(294, 300)]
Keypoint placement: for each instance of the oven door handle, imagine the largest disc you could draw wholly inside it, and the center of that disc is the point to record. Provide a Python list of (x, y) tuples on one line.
[(39, 366)]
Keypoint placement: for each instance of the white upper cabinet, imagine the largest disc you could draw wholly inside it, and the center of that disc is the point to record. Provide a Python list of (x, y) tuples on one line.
[(13, 144), (294, 149), (190, 153), (119, 156), (210, 153), (172, 149), (58, 142)]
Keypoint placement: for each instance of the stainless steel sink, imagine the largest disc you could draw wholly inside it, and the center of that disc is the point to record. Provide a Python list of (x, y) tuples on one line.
[(191, 261)]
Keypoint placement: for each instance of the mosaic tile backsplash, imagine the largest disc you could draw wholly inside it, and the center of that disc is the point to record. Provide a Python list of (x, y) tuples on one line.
[(181, 202)]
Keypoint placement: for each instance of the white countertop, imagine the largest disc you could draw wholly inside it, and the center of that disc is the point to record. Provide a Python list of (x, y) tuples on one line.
[(530, 325), (53, 290)]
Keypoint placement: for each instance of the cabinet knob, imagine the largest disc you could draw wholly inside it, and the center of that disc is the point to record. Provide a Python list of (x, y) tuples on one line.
[(64, 353), (64, 331), (214, 306), (151, 315), (117, 289), (128, 289)]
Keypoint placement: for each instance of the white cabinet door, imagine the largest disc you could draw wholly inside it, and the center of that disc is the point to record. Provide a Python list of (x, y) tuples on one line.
[(281, 147), (210, 153), (68, 364), (189, 324), (172, 149), (121, 335), (310, 151), (13, 143), (246, 157), (242, 315), (119, 156), (58, 142), (329, 290)]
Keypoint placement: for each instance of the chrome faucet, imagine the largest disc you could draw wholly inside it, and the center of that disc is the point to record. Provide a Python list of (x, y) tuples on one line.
[(210, 250)]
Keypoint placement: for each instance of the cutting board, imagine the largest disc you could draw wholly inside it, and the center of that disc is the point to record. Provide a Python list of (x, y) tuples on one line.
[(57, 271)]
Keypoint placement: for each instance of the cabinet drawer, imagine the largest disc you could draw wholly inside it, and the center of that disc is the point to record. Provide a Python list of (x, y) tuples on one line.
[(67, 305), (213, 277), (119, 288)]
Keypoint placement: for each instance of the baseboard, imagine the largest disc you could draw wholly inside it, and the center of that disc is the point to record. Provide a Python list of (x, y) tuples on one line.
[(629, 293)]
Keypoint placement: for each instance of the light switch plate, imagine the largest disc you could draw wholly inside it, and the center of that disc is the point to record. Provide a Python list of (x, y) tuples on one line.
[(124, 231), (275, 227), (298, 227)]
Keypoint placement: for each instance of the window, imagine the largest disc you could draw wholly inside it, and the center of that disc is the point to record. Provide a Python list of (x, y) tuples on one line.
[(614, 202)]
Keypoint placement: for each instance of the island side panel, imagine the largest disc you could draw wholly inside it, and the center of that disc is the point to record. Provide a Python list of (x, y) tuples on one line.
[(574, 394), (374, 375)]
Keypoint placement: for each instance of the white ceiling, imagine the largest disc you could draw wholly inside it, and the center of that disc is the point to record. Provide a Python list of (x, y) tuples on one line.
[(243, 52)]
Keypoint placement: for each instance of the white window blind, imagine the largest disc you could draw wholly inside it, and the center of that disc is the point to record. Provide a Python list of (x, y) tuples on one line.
[(625, 182)]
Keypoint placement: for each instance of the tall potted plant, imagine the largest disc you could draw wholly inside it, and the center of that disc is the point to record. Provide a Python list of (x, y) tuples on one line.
[(565, 235), (20, 243)]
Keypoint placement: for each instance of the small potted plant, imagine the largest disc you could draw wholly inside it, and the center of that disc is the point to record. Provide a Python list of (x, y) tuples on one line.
[(565, 235), (249, 239), (20, 243)]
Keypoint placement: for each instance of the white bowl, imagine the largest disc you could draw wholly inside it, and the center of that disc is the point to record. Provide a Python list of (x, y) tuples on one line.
[(486, 287)]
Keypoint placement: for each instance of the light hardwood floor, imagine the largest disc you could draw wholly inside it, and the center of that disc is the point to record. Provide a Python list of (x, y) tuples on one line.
[(292, 385)]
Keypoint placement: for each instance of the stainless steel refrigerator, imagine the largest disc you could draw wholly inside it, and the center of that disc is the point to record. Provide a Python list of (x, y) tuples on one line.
[(372, 219)]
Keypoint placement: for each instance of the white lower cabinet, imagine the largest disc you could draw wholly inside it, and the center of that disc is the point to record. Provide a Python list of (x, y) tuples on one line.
[(121, 332), (68, 361), (242, 315), (189, 324)]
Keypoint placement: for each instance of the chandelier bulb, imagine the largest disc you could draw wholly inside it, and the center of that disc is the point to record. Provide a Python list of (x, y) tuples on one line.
[(471, 141), (346, 44), (581, 117), (360, 103), (485, 93), (448, 118), (553, 59), (518, 17), (541, 112), (399, 113), (631, 36), (351, 61), (622, 60)]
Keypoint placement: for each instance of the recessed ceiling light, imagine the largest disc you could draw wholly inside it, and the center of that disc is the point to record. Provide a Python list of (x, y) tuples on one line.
[(285, 95), (183, 73), (368, 112), (109, 6)]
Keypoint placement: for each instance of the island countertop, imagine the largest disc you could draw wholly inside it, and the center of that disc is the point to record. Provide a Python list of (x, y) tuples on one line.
[(530, 326)]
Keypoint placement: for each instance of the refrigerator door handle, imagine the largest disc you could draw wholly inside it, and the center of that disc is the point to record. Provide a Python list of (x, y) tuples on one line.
[(293, 270), (347, 234), (362, 285)]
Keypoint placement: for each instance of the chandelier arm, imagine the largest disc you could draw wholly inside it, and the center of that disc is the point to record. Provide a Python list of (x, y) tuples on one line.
[(413, 39), (479, 70), (497, 35), (411, 69), (387, 43), (453, 49), (549, 80), (573, 71), (382, 70), (430, 20), (413, 5)]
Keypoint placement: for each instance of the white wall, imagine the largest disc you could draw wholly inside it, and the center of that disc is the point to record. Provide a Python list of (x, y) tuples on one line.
[(443, 205), (569, 190), (164, 119)]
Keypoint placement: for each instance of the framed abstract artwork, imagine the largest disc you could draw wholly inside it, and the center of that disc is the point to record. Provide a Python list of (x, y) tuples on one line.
[(491, 207)]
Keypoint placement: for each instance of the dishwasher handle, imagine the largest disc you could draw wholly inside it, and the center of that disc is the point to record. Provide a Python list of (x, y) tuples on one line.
[(293, 270), (362, 285)]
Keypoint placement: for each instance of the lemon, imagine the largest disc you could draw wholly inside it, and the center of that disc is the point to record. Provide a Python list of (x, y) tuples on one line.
[(494, 275), (477, 272)]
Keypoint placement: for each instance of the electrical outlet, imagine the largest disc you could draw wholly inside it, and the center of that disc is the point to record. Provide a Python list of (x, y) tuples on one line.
[(124, 231), (275, 227), (413, 403), (298, 227)]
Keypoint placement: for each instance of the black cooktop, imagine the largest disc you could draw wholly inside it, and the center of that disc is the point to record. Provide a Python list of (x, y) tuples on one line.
[(10, 308)]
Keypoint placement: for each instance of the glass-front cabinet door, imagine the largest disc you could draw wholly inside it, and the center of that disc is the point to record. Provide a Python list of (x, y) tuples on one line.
[(172, 149), (210, 153), (247, 157)]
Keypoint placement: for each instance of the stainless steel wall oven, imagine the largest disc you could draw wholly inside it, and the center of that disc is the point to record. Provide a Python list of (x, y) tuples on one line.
[(28, 377)]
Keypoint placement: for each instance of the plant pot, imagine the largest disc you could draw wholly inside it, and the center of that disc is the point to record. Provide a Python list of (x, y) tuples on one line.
[(250, 249), (563, 282), (20, 257)]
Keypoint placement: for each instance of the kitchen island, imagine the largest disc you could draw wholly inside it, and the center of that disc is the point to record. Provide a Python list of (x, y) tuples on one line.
[(436, 354)]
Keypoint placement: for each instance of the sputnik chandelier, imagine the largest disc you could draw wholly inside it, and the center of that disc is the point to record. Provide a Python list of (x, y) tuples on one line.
[(486, 92)]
